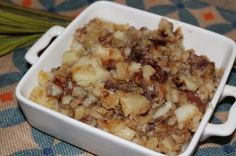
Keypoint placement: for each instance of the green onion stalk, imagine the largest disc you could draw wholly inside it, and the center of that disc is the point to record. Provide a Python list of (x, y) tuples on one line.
[(21, 27)]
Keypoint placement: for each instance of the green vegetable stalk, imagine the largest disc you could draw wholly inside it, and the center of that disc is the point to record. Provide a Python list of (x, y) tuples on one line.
[(21, 26)]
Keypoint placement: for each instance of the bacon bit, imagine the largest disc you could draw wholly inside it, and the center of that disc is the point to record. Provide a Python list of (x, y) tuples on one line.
[(138, 77), (177, 82), (109, 64), (67, 84), (150, 94), (105, 93), (150, 127), (101, 38), (111, 85), (163, 34), (178, 33), (57, 82), (199, 62), (202, 63), (143, 28), (147, 92), (158, 42), (160, 74), (104, 39), (136, 55), (191, 96)]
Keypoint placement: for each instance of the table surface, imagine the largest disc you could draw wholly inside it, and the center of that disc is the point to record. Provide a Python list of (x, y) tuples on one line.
[(17, 137)]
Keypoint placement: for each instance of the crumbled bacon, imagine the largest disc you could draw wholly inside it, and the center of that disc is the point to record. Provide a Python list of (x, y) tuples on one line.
[(158, 42), (136, 54), (179, 83), (105, 39), (196, 100), (160, 74), (109, 64)]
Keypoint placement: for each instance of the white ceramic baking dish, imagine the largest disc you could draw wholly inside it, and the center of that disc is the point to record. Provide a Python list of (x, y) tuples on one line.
[(218, 48)]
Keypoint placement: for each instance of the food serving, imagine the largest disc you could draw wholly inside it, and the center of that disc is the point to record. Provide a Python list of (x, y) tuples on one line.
[(139, 84)]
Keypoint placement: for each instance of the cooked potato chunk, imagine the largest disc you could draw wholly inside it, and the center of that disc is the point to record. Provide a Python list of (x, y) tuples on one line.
[(70, 57), (125, 132), (147, 72), (134, 104), (134, 67), (163, 109), (122, 72), (44, 78), (88, 70), (111, 101), (185, 113), (79, 112)]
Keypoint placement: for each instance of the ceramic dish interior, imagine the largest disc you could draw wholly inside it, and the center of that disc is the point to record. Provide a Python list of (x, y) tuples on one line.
[(218, 48)]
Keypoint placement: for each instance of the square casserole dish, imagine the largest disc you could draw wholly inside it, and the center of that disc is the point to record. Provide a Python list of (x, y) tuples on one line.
[(216, 47)]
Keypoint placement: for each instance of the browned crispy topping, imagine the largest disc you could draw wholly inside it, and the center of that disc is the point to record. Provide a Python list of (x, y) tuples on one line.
[(138, 84)]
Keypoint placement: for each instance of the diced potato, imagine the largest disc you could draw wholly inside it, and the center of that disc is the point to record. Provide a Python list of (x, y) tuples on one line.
[(79, 92), (172, 95), (119, 128), (143, 120), (37, 95), (110, 101), (147, 72), (127, 52), (152, 143), (101, 51), (66, 112), (101, 110), (70, 57), (119, 35), (66, 99), (88, 71), (193, 125), (167, 27), (107, 53), (115, 54), (134, 104), (185, 113), (95, 115), (190, 83), (134, 67), (44, 78), (163, 109), (126, 133), (51, 103), (79, 112), (76, 46), (89, 100), (98, 90), (122, 72), (169, 143), (54, 90), (175, 96)]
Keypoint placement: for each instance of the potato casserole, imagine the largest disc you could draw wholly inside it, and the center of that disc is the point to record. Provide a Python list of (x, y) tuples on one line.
[(139, 84)]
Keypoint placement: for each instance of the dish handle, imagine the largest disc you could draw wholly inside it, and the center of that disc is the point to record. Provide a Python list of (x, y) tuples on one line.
[(32, 54), (229, 126)]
